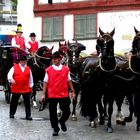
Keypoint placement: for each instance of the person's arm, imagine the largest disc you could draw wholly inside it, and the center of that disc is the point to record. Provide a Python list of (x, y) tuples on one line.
[(13, 42), (31, 80), (10, 76), (72, 91), (45, 86)]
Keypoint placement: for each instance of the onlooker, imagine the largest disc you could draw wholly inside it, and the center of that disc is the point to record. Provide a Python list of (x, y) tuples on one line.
[(21, 80), (56, 81)]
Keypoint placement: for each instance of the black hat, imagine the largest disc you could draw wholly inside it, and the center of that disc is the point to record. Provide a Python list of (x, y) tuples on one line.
[(32, 35), (56, 55), (19, 28), (22, 58)]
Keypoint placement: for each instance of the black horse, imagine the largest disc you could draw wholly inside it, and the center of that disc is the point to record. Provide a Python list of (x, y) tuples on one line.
[(71, 58), (128, 79), (38, 62), (97, 75)]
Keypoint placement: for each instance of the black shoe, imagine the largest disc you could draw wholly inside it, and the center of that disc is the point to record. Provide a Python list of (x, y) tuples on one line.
[(29, 118), (63, 127), (12, 116), (55, 132)]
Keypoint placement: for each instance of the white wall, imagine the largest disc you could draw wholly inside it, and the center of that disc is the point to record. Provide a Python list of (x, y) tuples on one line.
[(124, 23), (25, 16)]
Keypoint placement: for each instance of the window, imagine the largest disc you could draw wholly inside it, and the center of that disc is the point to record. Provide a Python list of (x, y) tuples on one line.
[(85, 26), (53, 28)]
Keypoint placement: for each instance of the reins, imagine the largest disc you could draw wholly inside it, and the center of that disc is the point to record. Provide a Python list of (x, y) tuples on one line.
[(100, 65), (130, 66)]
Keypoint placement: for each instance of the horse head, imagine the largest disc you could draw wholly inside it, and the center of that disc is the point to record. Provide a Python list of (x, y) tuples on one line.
[(42, 58), (134, 60), (63, 49), (136, 43), (105, 46), (73, 54), (45, 52)]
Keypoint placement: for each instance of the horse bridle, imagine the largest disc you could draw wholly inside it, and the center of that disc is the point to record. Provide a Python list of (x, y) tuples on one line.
[(37, 61), (105, 42)]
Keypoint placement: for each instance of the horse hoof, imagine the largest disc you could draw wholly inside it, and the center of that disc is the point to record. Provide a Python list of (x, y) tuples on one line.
[(101, 122), (128, 119), (106, 117), (93, 124), (35, 104), (59, 114), (138, 127), (109, 129), (118, 122), (123, 123), (74, 118)]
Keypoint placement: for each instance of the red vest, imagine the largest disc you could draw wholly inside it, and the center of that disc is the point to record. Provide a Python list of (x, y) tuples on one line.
[(34, 46), (20, 41), (21, 79), (57, 82)]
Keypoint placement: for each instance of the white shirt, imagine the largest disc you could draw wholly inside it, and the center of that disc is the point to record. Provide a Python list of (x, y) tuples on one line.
[(11, 72), (56, 68)]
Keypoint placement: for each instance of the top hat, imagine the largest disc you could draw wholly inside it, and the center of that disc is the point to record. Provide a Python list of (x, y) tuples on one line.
[(32, 35), (56, 55), (19, 28), (22, 58)]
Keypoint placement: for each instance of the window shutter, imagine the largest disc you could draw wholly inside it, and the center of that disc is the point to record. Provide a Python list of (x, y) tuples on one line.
[(85, 26), (57, 26), (47, 29), (80, 26), (91, 25)]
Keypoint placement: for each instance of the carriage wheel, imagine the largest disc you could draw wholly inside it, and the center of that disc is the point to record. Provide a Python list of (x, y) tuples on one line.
[(7, 92)]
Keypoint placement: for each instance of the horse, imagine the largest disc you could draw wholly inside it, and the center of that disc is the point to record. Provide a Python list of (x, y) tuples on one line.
[(9, 55), (129, 79), (38, 62), (97, 74), (71, 58)]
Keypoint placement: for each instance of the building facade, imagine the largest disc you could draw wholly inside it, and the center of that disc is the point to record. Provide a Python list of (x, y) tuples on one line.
[(8, 21), (59, 20)]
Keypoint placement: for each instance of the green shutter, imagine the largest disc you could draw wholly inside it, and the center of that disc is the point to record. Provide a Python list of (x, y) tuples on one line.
[(80, 26), (57, 28), (91, 26), (85, 26), (47, 32)]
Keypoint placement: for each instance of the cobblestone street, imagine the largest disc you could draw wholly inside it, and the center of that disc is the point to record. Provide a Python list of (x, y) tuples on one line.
[(39, 128)]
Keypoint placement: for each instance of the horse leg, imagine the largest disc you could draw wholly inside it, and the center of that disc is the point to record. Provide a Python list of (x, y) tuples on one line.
[(33, 97), (93, 118), (137, 110), (105, 107), (74, 103), (101, 111), (119, 115), (59, 112), (110, 111), (131, 108)]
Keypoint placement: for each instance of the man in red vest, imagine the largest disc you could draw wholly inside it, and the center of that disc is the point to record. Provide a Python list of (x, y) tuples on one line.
[(19, 41), (57, 80), (32, 45), (20, 77)]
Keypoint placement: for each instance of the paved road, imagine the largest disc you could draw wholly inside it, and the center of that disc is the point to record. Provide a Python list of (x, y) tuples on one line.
[(39, 128)]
